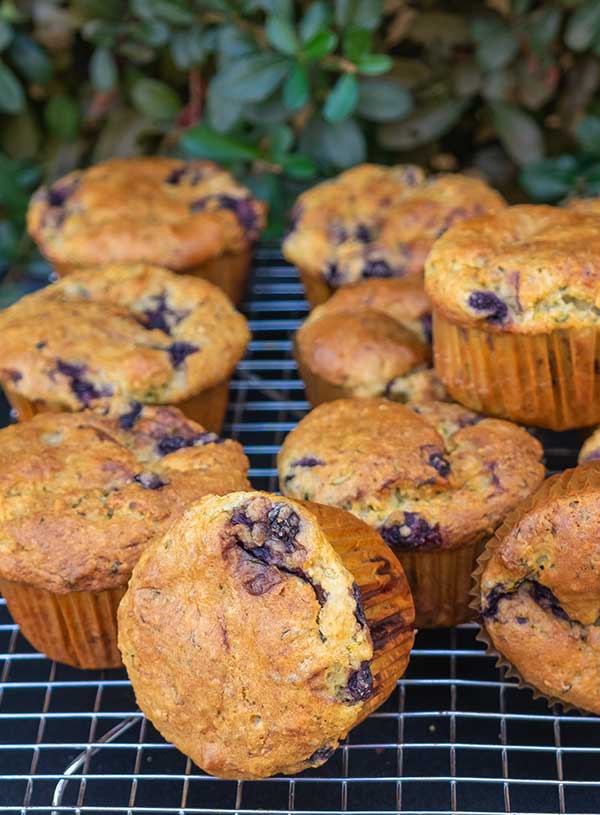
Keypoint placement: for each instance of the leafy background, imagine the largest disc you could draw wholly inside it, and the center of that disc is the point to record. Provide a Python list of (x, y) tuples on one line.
[(286, 92)]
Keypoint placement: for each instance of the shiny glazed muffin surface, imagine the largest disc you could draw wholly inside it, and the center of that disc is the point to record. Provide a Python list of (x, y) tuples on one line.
[(120, 333), (83, 494), (431, 475), (154, 210)]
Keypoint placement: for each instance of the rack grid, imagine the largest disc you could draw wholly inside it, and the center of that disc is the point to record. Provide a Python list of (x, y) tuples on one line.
[(453, 738)]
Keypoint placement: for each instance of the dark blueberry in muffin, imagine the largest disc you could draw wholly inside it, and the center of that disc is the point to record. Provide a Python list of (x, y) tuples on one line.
[(178, 351), (495, 309), (427, 325), (363, 233), (170, 444), (547, 600), (494, 598), (162, 316), (85, 391), (337, 233), (149, 481), (41, 345), (414, 533), (359, 611), (439, 463), (13, 374), (307, 461), (127, 420), (360, 684), (284, 524), (377, 268), (239, 517), (242, 208), (175, 175), (58, 194), (332, 274), (322, 754)]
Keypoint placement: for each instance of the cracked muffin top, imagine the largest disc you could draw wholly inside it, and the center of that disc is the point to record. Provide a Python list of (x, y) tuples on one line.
[(245, 638), (372, 339), (539, 589), (120, 333), (73, 522), (430, 475), (375, 221), (525, 269), (163, 211)]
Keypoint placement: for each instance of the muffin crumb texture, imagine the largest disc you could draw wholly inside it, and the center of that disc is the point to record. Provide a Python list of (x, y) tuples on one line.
[(539, 590), (245, 637), (154, 210), (83, 494), (379, 222), (428, 476)]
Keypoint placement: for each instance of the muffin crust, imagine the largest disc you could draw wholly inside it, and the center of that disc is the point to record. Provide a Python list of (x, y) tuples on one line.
[(428, 476), (375, 221), (245, 637), (539, 589), (525, 269), (117, 334), (82, 494), (153, 210)]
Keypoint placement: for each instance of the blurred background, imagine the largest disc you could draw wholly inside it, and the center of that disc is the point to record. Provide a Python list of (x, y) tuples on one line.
[(286, 93)]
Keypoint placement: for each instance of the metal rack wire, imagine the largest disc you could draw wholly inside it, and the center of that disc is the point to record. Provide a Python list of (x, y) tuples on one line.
[(454, 737)]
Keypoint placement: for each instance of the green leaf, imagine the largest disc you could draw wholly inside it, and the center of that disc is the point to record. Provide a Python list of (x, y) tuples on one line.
[(233, 43), (30, 59), (519, 133), (583, 26), (269, 111), (338, 145), (543, 27), (223, 113), (253, 78), (549, 179), (428, 123), (12, 98), (281, 139), (298, 166), (188, 48), (496, 43), (202, 142), (9, 242), (374, 64), (6, 34), (155, 99), (587, 134), (20, 135), (173, 11), (151, 32), (315, 18), (296, 88), (62, 117), (361, 13), (591, 181), (103, 69), (342, 99), (281, 35), (356, 43), (319, 46), (383, 100)]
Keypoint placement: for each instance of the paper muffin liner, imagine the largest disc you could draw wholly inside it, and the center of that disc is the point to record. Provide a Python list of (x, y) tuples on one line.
[(567, 482), (385, 594), (78, 628), (441, 583), (547, 380), (229, 272), (208, 407), (316, 290)]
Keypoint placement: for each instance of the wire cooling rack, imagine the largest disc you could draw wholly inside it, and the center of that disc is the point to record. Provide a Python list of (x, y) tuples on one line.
[(453, 738)]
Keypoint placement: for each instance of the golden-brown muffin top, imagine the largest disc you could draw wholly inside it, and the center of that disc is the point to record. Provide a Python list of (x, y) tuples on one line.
[(82, 495), (375, 221), (370, 338), (120, 332), (245, 639), (539, 591), (163, 211), (429, 475), (524, 269)]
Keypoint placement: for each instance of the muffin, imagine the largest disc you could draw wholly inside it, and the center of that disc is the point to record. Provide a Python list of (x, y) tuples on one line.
[(590, 449), (189, 217), (538, 590), (122, 334), (516, 315), (82, 495), (433, 478), (260, 630), (372, 339), (374, 221)]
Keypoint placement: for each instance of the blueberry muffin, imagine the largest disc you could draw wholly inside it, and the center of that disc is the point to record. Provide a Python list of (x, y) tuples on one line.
[(81, 497), (260, 630), (515, 308), (122, 333), (190, 217), (372, 339), (433, 478), (375, 221), (538, 590), (590, 449)]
